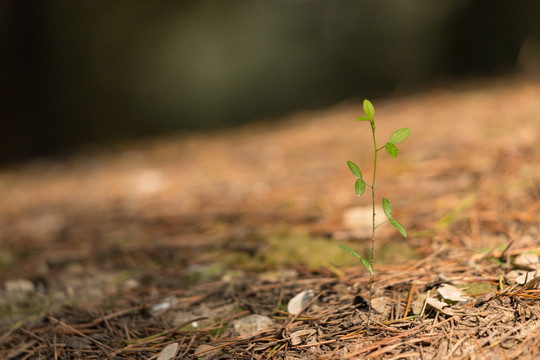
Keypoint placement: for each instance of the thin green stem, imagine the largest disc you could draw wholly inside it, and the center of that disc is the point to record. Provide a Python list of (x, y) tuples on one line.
[(384, 222), (371, 258)]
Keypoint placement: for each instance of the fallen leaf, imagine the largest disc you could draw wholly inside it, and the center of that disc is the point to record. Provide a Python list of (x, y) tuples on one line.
[(299, 301), (451, 293), (168, 352), (252, 324)]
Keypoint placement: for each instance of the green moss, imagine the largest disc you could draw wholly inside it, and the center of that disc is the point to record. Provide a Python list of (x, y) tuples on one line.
[(476, 289), (395, 252), (303, 249)]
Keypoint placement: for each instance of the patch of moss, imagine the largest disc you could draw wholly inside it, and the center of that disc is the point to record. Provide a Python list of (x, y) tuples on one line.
[(303, 249), (476, 289), (395, 252)]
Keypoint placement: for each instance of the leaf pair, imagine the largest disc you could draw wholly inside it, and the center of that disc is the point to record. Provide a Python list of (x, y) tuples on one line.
[(360, 184), (369, 110), (364, 262), (388, 212), (397, 136)]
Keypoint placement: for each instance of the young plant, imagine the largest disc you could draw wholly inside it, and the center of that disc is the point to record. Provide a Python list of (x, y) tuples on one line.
[(360, 187)]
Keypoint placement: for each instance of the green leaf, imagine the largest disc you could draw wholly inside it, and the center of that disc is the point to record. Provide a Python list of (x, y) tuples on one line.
[(369, 109), (360, 186), (387, 208), (399, 135), (391, 149), (363, 118), (350, 251), (354, 169), (364, 262), (399, 227), (367, 265)]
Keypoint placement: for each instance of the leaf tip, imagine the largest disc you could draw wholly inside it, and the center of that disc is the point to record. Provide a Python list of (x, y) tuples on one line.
[(369, 109)]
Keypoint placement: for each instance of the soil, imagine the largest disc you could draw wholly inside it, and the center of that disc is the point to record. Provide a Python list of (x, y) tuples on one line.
[(169, 244)]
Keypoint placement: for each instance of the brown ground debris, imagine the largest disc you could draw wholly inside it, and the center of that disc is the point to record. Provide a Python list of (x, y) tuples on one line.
[(117, 253)]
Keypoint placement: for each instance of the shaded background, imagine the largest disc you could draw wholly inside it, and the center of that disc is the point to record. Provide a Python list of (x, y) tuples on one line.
[(84, 72)]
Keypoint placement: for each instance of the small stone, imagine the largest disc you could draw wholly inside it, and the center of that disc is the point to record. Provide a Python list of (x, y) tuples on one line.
[(279, 275), (252, 324), (439, 305), (78, 343), (299, 301), (451, 293), (379, 304), (527, 261), (168, 352), (511, 276), (436, 304), (206, 352), (19, 286), (130, 284), (298, 336), (524, 278), (163, 306)]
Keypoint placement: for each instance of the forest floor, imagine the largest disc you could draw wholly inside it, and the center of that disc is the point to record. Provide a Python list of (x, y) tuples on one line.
[(167, 248)]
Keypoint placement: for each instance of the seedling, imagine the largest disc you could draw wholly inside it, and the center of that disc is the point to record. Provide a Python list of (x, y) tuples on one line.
[(360, 187)]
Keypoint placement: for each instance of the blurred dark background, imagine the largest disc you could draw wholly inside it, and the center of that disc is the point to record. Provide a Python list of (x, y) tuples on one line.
[(83, 72)]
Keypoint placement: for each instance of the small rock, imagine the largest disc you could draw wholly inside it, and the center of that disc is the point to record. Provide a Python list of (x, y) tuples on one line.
[(279, 275), (439, 305), (511, 276), (436, 304), (78, 343), (168, 352), (19, 287), (527, 261), (379, 304), (206, 352), (299, 301), (19, 291), (297, 336), (524, 278), (163, 306), (252, 324), (451, 293), (130, 284)]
